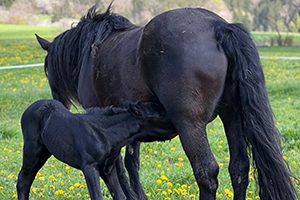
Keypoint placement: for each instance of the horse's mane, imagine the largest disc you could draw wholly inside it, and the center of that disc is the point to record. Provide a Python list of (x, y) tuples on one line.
[(73, 49)]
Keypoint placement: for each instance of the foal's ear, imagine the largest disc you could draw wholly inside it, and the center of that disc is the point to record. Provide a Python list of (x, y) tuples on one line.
[(44, 43)]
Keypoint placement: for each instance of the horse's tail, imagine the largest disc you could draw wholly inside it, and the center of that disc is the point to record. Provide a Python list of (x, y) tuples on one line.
[(245, 75)]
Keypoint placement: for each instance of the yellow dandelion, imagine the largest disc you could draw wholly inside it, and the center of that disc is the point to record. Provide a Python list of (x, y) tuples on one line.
[(163, 177), (148, 194), (172, 149), (77, 184), (164, 192), (292, 151), (284, 157), (180, 159), (59, 192)]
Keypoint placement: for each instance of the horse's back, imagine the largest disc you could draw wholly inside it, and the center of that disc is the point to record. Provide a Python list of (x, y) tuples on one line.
[(181, 61)]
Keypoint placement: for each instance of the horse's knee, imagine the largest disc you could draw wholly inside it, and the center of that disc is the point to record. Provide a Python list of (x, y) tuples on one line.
[(207, 176)]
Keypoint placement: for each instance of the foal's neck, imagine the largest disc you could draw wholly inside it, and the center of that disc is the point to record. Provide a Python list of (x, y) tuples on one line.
[(118, 124)]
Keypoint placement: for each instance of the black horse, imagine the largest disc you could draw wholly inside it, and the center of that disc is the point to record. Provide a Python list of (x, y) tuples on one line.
[(90, 142), (194, 63)]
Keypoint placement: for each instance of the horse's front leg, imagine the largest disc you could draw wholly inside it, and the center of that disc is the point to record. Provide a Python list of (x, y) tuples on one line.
[(132, 164)]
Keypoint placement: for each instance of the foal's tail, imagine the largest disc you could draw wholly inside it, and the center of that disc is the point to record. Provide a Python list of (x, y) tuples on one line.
[(250, 98)]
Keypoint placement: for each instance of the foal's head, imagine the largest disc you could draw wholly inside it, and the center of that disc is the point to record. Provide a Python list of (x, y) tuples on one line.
[(146, 111)]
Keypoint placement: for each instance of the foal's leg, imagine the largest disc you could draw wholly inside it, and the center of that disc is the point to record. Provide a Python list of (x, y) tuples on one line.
[(132, 163), (130, 194), (112, 182), (239, 161), (91, 175), (34, 157)]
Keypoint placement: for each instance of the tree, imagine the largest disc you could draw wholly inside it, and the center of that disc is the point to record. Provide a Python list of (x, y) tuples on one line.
[(6, 3)]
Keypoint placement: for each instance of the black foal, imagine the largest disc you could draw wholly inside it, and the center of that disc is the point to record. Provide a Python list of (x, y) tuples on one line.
[(90, 142)]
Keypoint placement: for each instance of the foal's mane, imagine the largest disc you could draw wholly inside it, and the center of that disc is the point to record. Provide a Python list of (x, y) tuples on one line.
[(75, 47), (108, 111)]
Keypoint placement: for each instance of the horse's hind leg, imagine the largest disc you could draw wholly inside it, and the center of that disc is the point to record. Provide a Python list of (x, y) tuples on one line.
[(195, 144), (239, 161), (190, 108), (34, 157)]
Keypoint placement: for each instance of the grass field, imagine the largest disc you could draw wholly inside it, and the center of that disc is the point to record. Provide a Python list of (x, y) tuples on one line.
[(262, 37), (165, 170)]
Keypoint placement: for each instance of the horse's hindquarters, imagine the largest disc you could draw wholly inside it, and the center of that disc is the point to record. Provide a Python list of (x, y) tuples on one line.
[(184, 67)]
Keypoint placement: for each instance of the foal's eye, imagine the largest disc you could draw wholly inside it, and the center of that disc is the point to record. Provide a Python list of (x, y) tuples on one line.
[(135, 110)]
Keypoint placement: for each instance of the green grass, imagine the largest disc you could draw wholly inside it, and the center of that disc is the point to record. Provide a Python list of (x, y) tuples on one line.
[(165, 170), (18, 44), (262, 37), (25, 32)]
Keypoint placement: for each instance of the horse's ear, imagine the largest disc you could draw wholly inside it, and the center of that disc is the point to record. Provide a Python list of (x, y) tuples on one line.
[(44, 43)]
